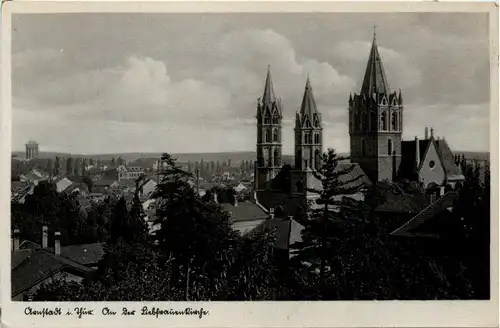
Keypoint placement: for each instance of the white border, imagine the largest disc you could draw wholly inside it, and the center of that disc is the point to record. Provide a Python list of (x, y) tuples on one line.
[(253, 314)]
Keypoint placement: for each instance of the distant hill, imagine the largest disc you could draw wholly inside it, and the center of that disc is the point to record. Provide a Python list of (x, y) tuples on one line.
[(236, 157)]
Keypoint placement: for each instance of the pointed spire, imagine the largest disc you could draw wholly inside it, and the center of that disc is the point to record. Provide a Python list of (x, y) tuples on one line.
[(400, 97), (308, 106), (375, 80), (268, 96)]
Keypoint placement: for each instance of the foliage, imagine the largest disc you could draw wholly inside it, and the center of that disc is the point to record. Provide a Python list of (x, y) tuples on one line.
[(224, 195)]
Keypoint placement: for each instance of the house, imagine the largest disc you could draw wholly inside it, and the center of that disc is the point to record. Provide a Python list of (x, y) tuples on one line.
[(240, 188), (62, 184), (245, 216), (147, 187), (429, 161), (129, 172), (33, 267)]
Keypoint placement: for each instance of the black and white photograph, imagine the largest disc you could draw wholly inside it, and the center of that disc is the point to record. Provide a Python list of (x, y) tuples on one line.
[(240, 156)]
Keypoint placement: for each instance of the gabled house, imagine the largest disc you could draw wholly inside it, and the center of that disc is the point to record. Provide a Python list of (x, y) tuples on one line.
[(429, 161)]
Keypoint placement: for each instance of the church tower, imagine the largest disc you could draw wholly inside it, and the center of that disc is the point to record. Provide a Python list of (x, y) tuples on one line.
[(269, 118), (376, 122), (308, 133), (308, 142)]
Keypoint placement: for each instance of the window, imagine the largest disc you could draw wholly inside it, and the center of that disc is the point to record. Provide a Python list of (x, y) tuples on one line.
[(268, 136), (389, 147), (275, 135), (266, 119), (308, 138), (373, 120), (316, 124), (383, 121), (356, 121), (275, 119), (363, 147), (300, 186), (308, 123), (432, 164), (276, 158), (394, 121), (270, 157), (317, 159), (316, 138), (306, 163), (365, 123)]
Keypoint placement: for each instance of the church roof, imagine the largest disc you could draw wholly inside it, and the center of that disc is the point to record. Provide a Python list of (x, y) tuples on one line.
[(268, 96), (375, 80), (408, 167), (308, 106)]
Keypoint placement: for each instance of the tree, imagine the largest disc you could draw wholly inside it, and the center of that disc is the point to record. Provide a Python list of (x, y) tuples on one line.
[(330, 223), (113, 162), (224, 195)]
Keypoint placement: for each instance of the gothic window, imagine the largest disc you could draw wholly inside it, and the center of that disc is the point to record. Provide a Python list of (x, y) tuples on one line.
[(270, 157), (308, 123), (306, 163), (259, 136), (308, 138), (275, 135), (317, 159), (266, 119), (364, 122), (389, 147), (383, 121), (275, 119), (363, 147), (373, 120), (356, 121), (276, 158), (316, 138), (394, 121), (316, 124), (268, 135)]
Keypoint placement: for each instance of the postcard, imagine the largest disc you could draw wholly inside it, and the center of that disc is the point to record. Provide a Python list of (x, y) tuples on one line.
[(249, 164)]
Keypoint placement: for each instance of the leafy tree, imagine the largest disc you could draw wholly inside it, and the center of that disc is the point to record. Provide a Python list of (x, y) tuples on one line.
[(224, 195)]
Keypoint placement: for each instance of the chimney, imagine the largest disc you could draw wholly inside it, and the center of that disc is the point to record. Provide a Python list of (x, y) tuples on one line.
[(426, 133), (417, 151), (215, 198), (15, 241), (432, 133), (57, 243), (45, 237)]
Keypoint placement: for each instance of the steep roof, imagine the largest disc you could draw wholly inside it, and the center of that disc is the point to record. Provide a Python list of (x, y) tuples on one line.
[(308, 106), (268, 96), (375, 80), (451, 170)]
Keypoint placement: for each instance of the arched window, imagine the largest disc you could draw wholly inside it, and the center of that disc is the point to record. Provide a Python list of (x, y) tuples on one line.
[(363, 147), (308, 138), (317, 160), (389, 147), (276, 158), (356, 122), (383, 121), (394, 121), (308, 123), (275, 135), (316, 124), (270, 157), (275, 119), (316, 138), (365, 123), (373, 120), (266, 119), (259, 136), (268, 135)]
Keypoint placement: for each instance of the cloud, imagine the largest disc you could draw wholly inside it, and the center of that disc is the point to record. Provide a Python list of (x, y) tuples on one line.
[(198, 92)]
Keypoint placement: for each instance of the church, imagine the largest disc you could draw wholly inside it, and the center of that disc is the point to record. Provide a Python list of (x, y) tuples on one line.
[(377, 150)]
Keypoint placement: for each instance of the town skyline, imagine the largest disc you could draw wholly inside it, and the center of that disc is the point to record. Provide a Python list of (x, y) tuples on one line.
[(145, 98)]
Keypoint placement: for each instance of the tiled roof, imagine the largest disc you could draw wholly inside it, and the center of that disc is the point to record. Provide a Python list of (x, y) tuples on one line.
[(245, 211), (30, 267), (450, 168), (375, 80), (86, 254), (427, 213)]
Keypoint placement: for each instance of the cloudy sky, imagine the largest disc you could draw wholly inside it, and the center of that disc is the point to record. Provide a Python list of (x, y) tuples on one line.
[(101, 83)]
